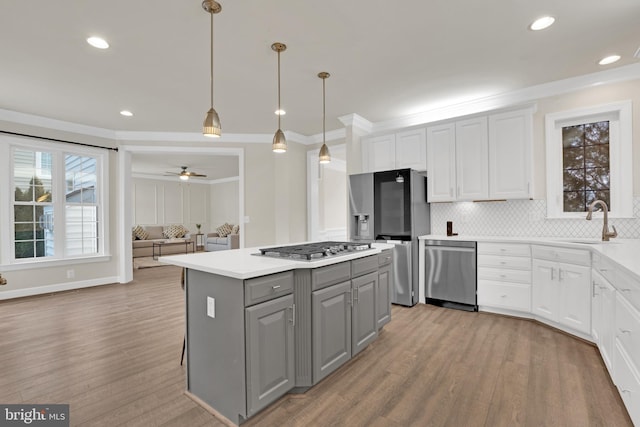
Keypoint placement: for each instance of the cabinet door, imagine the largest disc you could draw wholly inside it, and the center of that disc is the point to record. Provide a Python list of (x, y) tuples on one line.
[(411, 150), (331, 328), (472, 159), (381, 152), (608, 323), (384, 296), (545, 289), (510, 139), (270, 362), (575, 296), (441, 163), (364, 320)]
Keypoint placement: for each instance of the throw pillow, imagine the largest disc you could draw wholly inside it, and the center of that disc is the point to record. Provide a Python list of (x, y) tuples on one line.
[(224, 230), (235, 229), (140, 233), (174, 231)]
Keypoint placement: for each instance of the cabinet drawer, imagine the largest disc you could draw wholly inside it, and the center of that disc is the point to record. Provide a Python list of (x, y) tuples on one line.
[(509, 249), (628, 286), (510, 262), (628, 329), (385, 257), (364, 265), (604, 266), (504, 275), (571, 256), (331, 274), (267, 287), (628, 384), (504, 295)]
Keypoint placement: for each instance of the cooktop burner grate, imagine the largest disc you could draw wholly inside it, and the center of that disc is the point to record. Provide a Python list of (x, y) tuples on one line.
[(310, 251)]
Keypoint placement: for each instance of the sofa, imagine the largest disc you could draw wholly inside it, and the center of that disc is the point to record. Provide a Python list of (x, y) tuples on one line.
[(227, 236), (143, 247)]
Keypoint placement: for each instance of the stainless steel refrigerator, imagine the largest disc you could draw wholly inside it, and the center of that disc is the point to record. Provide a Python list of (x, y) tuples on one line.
[(391, 206)]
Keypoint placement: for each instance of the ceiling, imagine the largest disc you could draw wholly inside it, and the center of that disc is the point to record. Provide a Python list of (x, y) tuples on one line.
[(157, 165), (386, 60)]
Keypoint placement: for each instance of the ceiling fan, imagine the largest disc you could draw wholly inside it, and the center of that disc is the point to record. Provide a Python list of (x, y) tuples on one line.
[(185, 174)]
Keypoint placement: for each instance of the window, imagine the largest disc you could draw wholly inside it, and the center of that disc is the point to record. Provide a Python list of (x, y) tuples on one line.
[(56, 209), (589, 158)]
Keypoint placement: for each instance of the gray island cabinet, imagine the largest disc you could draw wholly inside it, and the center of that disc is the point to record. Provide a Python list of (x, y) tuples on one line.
[(250, 341)]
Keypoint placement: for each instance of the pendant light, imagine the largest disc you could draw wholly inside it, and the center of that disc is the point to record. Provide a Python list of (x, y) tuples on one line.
[(325, 156), (211, 126), (279, 144)]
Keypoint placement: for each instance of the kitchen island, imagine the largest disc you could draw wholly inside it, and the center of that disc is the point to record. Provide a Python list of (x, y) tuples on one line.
[(259, 327)]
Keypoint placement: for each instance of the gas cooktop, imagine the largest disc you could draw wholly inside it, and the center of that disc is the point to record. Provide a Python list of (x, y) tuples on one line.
[(314, 251)]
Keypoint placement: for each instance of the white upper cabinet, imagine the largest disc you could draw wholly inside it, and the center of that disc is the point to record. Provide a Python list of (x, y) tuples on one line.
[(481, 158), (472, 158), (406, 149), (379, 153), (411, 150), (441, 162), (510, 138)]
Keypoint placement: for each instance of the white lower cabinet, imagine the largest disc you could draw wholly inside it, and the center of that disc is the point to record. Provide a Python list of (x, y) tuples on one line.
[(627, 380), (504, 276), (562, 287), (603, 306)]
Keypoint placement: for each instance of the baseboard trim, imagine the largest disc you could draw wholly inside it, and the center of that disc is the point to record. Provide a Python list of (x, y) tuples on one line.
[(210, 409), (48, 289)]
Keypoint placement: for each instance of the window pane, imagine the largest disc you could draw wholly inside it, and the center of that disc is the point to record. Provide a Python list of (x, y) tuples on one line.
[(573, 158), (23, 213), (24, 249), (599, 195), (597, 179), (574, 180), (573, 136), (596, 133), (574, 201), (24, 231), (597, 156), (80, 178)]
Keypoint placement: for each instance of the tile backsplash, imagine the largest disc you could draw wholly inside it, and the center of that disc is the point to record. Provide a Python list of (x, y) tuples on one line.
[(525, 218)]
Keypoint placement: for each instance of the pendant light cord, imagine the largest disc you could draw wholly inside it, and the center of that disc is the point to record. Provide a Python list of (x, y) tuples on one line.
[(211, 59), (279, 109), (323, 112)]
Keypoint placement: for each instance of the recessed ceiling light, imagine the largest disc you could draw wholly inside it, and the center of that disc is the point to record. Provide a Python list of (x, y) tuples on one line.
[(98, 42), (280, 112), (126, 113), (609, 60), (542, 23)]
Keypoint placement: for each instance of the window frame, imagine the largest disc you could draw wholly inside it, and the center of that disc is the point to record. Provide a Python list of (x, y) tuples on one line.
[(58, 185), (619, 115)]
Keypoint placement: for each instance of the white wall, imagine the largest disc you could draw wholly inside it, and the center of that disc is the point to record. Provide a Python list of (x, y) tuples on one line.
[(223, 205), (165, 202)]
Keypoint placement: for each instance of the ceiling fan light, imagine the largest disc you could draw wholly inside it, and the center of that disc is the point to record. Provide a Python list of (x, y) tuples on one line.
[(211, 126), (184, 177), (279, 144), (325, 156)]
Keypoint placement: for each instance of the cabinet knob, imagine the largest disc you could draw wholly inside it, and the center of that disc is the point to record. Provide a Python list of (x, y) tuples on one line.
[(625, 331), (274, 287)]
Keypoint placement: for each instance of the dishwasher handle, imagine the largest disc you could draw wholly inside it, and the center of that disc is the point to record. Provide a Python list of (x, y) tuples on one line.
[(449, 249)]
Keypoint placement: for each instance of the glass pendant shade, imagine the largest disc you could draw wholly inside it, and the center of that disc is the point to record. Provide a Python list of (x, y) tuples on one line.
[(325, 156), (279, 144), (211, 126)]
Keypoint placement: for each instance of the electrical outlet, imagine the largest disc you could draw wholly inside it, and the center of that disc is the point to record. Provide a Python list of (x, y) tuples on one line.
[(71, 274), (211, 307)]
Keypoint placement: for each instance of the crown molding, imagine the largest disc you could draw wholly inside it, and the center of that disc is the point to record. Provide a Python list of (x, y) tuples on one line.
[(508, 99), (45, 122), (356, 121)]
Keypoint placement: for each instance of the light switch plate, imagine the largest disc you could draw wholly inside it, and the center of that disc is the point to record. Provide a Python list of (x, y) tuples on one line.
[(211, 307)]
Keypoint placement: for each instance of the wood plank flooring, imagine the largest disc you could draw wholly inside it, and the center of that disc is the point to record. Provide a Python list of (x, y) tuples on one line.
[(113, 354)]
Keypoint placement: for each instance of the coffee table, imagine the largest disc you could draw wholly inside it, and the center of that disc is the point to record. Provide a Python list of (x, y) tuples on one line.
[(159, 246)]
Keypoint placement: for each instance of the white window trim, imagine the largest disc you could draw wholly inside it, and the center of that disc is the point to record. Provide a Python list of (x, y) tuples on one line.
[(6, 193), (619, 115)]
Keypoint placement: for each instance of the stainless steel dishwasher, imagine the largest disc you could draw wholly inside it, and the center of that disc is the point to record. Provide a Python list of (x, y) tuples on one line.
[(450, 274)]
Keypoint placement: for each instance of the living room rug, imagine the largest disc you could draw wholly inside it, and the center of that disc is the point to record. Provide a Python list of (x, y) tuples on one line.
[(147, 262)]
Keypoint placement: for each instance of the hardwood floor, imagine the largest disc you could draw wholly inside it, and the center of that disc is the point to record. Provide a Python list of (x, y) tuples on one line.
[(113, 354)]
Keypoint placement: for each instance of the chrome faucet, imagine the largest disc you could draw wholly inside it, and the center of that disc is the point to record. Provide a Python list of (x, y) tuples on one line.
[(606, 234)]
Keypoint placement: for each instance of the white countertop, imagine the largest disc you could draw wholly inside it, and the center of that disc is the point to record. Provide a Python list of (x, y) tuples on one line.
[(624, 252), (244, 264)]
